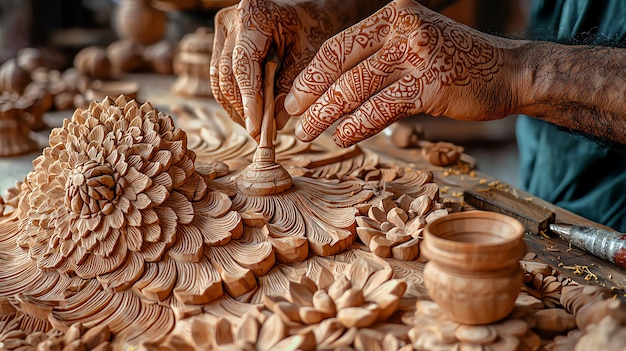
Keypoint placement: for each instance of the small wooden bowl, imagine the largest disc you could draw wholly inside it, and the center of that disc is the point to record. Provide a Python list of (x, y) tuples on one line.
[(473, 271), (101, 89)]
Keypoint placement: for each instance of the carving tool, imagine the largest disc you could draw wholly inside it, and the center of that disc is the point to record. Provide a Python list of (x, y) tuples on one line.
[(606, 244)]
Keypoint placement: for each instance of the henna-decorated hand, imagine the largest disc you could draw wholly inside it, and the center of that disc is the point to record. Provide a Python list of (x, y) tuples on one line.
[(403, 60), (295, 29)]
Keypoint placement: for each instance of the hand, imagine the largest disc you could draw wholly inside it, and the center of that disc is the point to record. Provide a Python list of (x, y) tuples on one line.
[(243, 37), (401, 61)]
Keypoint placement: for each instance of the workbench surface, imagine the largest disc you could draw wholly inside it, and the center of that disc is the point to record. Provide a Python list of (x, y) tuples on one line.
[(572, 262)]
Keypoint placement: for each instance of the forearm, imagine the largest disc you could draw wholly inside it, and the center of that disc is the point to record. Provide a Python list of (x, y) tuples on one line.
[(577, 87)]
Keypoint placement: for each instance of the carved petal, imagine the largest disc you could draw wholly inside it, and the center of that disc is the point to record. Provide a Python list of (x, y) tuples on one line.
[(188, 244), (198, 283), (377, 279), (357, 316), (98, 265), (359, 272), (125, 275), (296, 342), (167, 221), (223, 333), (157, 321), (272, 331), (161, 286), (237, 280), (258, 257), (219, 231), (248, 330), (215, 204), (327, 332), (181, 206)]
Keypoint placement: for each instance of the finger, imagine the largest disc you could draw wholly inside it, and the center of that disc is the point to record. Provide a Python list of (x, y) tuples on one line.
[(292, 65), (355, 87), (282, 117), (399, 100), (337, 55), (227, 81), (223, 17), (248, 55)]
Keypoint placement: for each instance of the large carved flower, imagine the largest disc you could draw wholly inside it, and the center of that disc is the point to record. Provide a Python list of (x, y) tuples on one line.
[(116, 224), (117, 180)]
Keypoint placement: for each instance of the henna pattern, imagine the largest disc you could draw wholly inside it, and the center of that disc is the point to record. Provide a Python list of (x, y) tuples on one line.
[(412, 60), (245, 33)]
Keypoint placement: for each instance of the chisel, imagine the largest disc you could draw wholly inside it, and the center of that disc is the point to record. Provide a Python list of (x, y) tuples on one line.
[(606, 244)]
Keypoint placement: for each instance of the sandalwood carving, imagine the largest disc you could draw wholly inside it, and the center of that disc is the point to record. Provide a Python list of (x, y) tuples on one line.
[(14, 127), (121, 217), (122, 237), (191, 64)]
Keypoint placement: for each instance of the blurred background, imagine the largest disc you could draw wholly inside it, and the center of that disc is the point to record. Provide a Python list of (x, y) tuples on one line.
[(64, 27)]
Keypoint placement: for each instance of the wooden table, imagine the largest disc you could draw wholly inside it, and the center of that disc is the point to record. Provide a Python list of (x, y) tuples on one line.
[(554, 251)]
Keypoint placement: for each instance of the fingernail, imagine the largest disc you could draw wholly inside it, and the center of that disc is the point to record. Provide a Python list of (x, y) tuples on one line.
[(300, 134), (282, 119), (291, 104)]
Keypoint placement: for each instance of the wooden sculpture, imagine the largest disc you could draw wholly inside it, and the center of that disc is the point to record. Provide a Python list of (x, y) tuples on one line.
[(59, 90), (393, 227), (160, 56), (123, 213), (296, 214), (139, 22), (31, 59), (192, 63), (121, 237), (441, 153), (14, 126), (349, 305), (13, 78), (125, 56), (93, 61)]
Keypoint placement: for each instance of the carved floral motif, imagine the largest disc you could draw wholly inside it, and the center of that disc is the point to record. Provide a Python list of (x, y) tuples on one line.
[(119, 226), (119, 215)]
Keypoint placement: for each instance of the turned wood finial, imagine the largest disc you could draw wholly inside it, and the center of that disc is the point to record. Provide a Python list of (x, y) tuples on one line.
[(264, 176)]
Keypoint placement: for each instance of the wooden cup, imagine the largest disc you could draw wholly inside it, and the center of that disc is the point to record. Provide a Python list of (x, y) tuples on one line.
[(473, 271)]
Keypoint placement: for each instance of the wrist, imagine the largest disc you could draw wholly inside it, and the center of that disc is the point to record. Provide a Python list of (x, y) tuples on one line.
[(525, 85)]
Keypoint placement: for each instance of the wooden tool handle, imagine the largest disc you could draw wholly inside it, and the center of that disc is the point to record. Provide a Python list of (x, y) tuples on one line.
[(268, 124)]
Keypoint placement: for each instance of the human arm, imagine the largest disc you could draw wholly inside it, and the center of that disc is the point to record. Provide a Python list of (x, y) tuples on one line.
[(580, 87), (426, 63)]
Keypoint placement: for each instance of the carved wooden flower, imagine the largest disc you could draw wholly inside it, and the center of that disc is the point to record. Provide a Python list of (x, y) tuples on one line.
[(543, 282), (393, 222), (434, 331), (116, 213), (359, 298), (117, 179), (442, 153)]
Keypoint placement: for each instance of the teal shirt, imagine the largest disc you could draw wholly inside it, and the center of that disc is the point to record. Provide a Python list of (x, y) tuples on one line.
[(566, 169)]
